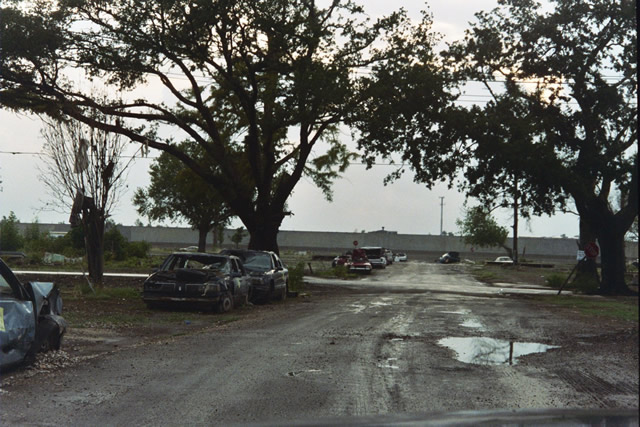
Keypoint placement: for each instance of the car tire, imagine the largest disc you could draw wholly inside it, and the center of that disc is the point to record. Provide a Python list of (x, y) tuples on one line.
[(225, 304)]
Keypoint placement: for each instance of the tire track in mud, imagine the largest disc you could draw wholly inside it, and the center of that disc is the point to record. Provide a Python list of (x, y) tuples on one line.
[(595, 387)]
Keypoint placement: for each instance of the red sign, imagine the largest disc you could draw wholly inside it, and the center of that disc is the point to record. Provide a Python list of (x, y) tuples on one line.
[(355, 243), (591, 250)]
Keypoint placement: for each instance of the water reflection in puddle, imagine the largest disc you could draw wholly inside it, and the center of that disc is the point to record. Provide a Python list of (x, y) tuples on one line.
[(489, 351)]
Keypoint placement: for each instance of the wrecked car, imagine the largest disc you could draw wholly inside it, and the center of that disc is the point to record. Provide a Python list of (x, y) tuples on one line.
[(269, 276), (213, 280), (30, 319)]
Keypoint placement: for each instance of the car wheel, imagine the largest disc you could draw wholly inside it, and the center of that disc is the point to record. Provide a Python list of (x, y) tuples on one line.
[(225, 304)]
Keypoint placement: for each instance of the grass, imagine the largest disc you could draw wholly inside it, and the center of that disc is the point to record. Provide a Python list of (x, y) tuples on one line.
[(621, 309)]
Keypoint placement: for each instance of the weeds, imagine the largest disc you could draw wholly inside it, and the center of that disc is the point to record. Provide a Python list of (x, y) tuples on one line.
[(555, 280), (624, 309)]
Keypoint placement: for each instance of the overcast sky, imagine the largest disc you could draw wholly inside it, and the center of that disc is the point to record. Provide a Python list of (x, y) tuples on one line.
[(360, 201)]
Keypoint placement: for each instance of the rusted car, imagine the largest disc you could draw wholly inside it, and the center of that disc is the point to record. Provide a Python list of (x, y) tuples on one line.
[(30, 318), (198, 279)]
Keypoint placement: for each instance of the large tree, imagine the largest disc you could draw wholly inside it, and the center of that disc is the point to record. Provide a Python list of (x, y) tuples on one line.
[(176, 192), (568, 77), (260, 85), (581, 59)]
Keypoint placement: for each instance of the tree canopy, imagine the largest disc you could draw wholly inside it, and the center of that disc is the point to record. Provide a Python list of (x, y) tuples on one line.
[(479, 228), (176, 192), (561, 120), (260, 86)]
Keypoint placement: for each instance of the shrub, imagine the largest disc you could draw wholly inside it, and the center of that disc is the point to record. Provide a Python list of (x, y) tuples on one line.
[(10, 237), (555, 280), (114, 244), (296, 277), (138, 249)]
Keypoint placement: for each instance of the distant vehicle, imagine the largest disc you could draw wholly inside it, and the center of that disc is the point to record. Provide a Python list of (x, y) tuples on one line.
[(30, 318), (376, 256), (359, 262), (504, 260), (341, 260), (189, 249), (213, 280), (269, 276), (449, 257), (389, 255), (400, 257)]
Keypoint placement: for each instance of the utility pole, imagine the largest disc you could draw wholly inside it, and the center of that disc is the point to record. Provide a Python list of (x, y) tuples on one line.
[(441, 206)]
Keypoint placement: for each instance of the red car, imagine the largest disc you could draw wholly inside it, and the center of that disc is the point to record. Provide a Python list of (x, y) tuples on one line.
[(359, 262)]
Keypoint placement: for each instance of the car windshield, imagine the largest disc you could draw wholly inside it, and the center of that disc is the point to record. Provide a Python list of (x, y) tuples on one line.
[(196, 262), (257, 261)]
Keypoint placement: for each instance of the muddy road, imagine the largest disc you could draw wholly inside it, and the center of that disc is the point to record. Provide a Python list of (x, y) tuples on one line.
[(415, 338)]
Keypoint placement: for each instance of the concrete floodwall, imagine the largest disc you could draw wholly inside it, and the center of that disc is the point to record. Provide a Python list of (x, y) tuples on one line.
[(336, 242)]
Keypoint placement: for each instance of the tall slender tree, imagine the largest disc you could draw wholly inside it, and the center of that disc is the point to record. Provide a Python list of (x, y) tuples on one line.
[(84, 172)]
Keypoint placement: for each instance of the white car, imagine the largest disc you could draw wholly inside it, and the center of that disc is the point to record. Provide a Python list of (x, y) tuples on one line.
[(400, 257), (504, 260)]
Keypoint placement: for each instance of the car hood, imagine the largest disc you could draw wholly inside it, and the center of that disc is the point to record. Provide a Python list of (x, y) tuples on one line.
[(187, 275), (46, 292)]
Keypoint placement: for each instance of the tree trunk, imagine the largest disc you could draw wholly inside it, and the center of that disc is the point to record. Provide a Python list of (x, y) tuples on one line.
[(587, 270), (613, 264), (93, 226), (516, 197), (263, 231), (202, 239), (264, 239)]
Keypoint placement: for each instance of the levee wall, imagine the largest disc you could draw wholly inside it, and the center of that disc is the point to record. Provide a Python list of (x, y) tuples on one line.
[(336, 242)]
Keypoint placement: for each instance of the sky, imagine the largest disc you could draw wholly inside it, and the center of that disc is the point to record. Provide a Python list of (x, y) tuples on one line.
[(361, 201)]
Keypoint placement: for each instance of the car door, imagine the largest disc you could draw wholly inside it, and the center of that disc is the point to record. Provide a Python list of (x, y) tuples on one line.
[(240, 278), (17, 320), (279, 272)]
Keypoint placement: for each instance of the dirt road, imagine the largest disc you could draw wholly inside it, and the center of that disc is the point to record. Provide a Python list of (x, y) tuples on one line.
[(394, 342)]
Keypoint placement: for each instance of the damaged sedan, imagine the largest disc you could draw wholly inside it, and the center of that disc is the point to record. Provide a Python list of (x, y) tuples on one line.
[(269, 275), (216, 281), (30, 318)]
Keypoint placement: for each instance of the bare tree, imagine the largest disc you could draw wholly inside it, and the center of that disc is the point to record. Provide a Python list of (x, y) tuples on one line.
[(84, 173)]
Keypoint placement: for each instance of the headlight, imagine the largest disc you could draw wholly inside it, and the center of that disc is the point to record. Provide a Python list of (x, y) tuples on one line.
[(210, 287)]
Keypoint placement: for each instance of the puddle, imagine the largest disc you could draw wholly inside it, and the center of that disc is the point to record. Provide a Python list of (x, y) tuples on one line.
[(489, 351), (470, 323)]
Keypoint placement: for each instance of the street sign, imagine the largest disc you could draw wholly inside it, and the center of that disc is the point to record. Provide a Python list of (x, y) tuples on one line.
[(355, 243), (591, 250)]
